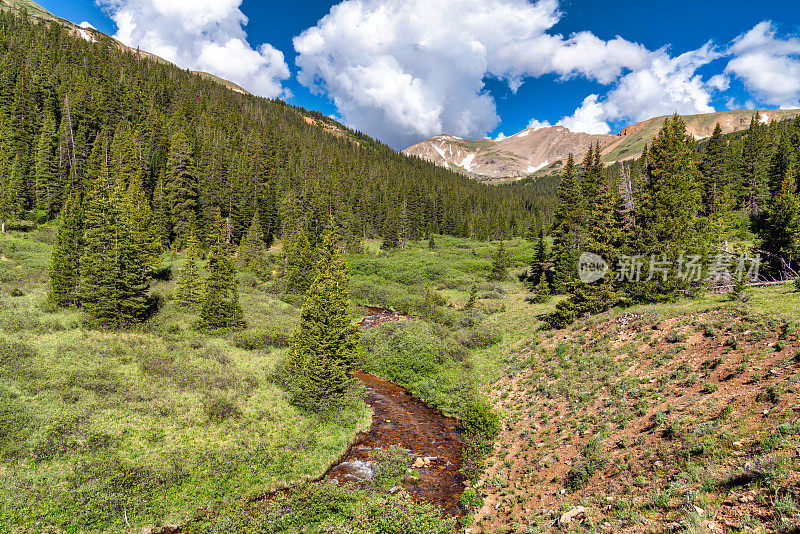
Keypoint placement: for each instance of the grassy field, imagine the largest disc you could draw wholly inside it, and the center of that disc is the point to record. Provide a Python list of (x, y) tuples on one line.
[(107, 431), (99, 431)]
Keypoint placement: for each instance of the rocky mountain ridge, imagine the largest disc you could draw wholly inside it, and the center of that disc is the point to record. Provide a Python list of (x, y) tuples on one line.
[(544, 150)]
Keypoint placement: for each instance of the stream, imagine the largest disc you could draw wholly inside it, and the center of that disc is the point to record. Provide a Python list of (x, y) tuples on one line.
[(400, 419)]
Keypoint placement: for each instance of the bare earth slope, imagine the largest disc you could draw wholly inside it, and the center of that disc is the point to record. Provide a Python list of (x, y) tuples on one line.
[(684, 424), (514, 157)]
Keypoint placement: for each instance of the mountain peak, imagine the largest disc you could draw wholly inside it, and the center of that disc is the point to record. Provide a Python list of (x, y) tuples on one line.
[(542, 147)]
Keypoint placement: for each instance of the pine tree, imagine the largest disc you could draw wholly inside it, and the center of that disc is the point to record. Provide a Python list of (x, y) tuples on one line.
[(668, 223), (499, 269), (780, 233), (712, 167), (161, 216), (603, 239), (324, 349), (48, 178), (541, 292), (473, 297), (538, 266), (181, 185), (65, 262), (565, 227), (219, 305), (252, 250), (431, 242), (117, 255), (391, 236), (100, 262), (755, 165), (299, 262), (189, 284)]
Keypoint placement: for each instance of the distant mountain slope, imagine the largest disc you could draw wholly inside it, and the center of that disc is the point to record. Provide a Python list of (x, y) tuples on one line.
[(544, 150), (630, 142), (513, 157)]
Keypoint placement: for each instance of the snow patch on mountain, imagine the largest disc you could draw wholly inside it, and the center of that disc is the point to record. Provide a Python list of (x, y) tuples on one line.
[(87, 36), (537, 167), (440, 151), (467, 163)]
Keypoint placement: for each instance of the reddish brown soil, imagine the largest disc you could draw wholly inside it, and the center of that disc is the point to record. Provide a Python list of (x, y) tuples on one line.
[(401, 420), (546, 427), (376, 316)]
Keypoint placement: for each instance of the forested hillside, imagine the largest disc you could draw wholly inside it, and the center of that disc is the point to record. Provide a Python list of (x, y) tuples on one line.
[(683, 215), (198, 147)]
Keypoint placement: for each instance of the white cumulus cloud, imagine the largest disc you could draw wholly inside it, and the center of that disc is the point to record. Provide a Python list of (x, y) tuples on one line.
[(409, 69), (203, 35), (768, 65), (665, 85), (538, 125)]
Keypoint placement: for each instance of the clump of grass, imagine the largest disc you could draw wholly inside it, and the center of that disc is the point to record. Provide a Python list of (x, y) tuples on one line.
[(592, 459), (255, 339)]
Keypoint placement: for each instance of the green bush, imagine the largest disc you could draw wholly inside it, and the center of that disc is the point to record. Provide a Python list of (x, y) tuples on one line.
[(479, 337), (218, 408), (470, 500), (255, 339), (479, 419)]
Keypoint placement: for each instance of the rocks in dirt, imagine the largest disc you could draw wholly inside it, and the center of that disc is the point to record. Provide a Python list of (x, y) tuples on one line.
[(579, 512), (744, 499), (395, 489), (424, 462)]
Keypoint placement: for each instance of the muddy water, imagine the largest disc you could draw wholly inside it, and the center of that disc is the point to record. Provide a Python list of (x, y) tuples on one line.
[(401, 420)]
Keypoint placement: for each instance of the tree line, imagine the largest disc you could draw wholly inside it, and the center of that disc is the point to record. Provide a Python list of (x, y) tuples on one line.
[(661, 222), (199, 147)]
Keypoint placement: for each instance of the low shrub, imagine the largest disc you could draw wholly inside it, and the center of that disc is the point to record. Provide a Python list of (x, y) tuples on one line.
[(479, 336), (256, 339), (219, 407)]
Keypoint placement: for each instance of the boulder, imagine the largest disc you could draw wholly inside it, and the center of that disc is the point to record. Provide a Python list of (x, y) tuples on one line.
[(566, 518)]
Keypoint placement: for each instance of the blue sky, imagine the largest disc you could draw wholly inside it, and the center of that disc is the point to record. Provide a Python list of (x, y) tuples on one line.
[(403, 70)]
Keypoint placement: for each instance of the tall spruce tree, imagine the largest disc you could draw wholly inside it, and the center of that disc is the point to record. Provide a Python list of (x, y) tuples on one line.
[(49, 187), (669, 222), (252, 250), (65, 262), (181, 185), (189, 283), (712, 167), (117, 254), (604, 239), (499, 270), (324, 350), (100, 261), (755, 166), (565, 227), (219, 305), (780, 233)]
